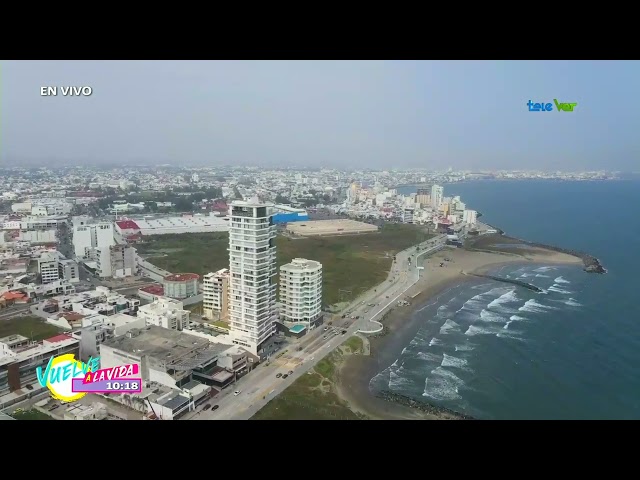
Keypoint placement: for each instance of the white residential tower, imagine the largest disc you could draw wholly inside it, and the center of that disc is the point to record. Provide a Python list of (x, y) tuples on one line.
[(252, 255)]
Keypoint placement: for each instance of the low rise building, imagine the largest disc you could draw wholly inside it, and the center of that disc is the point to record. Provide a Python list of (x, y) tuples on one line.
[(19, 359), (181, 285), (166, 313)]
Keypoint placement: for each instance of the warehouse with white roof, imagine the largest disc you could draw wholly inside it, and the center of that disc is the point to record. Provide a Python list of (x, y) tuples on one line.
[(168, 225)]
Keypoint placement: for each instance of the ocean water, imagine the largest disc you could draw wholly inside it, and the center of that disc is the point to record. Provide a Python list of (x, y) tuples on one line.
[(498, 351)]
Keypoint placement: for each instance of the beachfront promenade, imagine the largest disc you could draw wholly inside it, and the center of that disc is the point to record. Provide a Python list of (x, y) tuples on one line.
[(261, 385)]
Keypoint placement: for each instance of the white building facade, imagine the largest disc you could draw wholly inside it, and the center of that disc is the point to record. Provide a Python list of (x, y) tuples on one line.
[(166, 313), (470, 217), (252, 255), (301, 291), (88, 237), (437, 193), (48, 267), (215, 298), (117, 261), (407, 215)]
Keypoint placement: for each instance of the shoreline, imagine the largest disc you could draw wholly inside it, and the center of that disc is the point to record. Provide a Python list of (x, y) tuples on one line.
[(401, 325)]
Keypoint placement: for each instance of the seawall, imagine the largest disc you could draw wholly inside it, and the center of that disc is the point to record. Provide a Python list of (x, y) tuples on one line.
[(422, 406), (507, 280)]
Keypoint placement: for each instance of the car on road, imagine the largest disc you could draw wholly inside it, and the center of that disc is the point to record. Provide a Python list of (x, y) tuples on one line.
[(326, 328), (236, 393), (278, 375), (206, 407), (215, 407), (284, 376), (344, 332), (290, 372)]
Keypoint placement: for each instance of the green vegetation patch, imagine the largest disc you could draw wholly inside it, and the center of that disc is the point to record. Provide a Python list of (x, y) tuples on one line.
[(29, 326), (30, 415), (351, 264), (355, 344), (310, 397)]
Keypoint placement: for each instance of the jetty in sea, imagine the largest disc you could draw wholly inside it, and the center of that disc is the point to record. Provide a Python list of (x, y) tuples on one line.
[(507, 280)]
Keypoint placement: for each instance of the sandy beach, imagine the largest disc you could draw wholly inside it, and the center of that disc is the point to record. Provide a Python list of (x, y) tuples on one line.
[(354, 375)]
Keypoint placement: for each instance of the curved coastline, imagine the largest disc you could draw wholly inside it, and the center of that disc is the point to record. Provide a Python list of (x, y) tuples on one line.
[(401, 324)]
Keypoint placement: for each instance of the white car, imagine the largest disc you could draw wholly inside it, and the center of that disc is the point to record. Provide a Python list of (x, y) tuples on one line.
[(236, 393)]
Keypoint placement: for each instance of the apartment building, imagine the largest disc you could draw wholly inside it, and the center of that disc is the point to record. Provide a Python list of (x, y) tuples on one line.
[(48, 267), (215, 298), (301, 292), (252, 292)]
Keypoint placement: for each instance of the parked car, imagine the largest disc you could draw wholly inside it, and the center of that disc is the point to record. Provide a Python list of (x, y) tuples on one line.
[(284, 376), (206, 407), (236, 393), (343, 332), (215, 407), (278, 375), (290, 372)]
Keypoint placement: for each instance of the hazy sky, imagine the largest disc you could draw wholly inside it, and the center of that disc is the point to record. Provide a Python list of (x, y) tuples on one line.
[(431, 114)]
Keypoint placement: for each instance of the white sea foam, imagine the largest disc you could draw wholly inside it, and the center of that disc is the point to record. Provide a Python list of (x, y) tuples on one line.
[(561, 280), (429, 357), (517, 318), (453, 362), (545, 269), (532, 306), (506, 325), (526, 275), (473, 330), (572, 303), (539, 275), (449, 326), (487, 316), (435, 341), (554, 288), (464, 348), (508, 297), (397, 381), (442, 385), (510, 334), (443, 312)]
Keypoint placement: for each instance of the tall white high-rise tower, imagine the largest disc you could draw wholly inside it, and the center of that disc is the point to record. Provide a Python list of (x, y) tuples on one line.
[(252, 266), (436, 196)]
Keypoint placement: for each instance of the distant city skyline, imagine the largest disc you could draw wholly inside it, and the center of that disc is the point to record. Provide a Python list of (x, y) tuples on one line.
[(468, 115)]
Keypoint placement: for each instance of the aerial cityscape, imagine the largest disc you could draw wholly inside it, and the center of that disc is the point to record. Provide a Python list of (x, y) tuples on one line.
[(195, 290)]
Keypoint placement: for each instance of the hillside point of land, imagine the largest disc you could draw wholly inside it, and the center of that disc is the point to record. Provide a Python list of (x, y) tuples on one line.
[(351, 264)]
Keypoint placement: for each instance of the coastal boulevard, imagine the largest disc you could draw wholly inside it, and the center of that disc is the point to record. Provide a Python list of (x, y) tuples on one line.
[(261, 385)]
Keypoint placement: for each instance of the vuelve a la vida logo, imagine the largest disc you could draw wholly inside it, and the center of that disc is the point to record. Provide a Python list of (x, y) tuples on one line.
[(548, 107), (59, 374)]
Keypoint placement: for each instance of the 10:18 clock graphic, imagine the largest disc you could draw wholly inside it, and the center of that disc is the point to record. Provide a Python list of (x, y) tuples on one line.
[(126, 386), (115, 385)]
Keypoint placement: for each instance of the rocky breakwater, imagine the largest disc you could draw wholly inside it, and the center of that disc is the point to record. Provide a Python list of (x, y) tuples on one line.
[(422, 406), (591, 263), (507, 280)]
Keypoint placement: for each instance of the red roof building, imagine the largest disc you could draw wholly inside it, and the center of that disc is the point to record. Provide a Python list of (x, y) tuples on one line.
[(59, 338), (127, 225)]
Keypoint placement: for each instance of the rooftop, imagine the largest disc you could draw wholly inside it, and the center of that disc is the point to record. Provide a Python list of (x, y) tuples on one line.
[(154, 289), (181, 277), (127, 225), (181, 350), (301, 264)]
